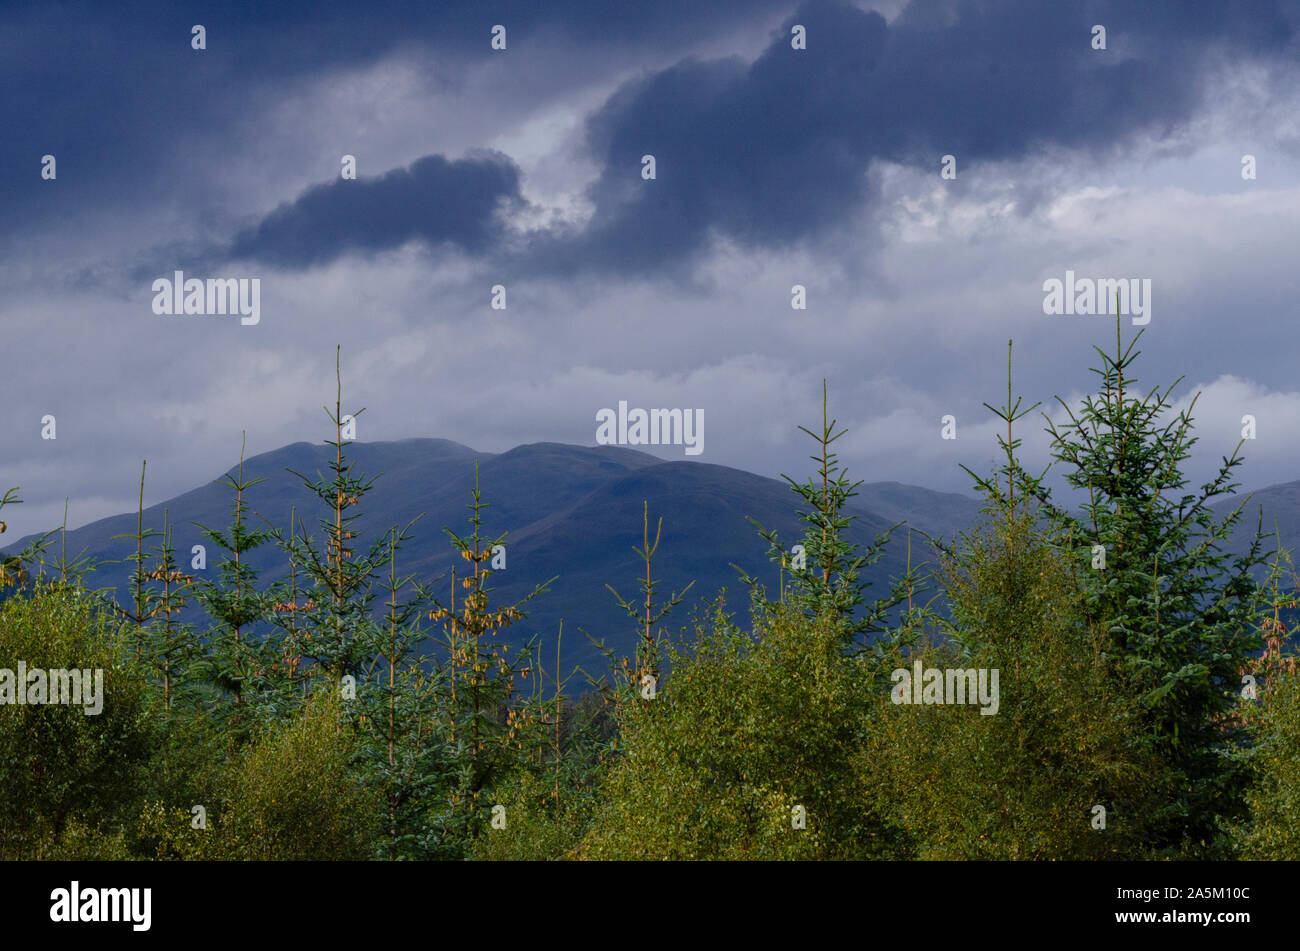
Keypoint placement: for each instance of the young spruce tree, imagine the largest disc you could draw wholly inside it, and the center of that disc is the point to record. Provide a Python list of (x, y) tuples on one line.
[(1179, 611)]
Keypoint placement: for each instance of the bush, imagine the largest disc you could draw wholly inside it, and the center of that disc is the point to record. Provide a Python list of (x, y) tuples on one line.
[(293, 794), (1020, 783), (1274, 797), (746, 729), (68, 776)]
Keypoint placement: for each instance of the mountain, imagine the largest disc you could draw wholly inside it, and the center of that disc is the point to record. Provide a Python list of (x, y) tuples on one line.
[(569, 512), (934, 513), (1280, 505), (572, 513)]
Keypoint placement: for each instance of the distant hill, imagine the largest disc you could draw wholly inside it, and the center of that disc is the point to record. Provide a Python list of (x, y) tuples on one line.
[(569, 511), (1281, 507), (574, 512)]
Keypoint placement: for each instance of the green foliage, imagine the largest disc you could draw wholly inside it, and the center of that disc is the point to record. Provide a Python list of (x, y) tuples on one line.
[(12, 572), (551, 798), (1179, 613), (538, 827), (340, 578), (236, 663), (1118, 687), (168, 834), (1271, 827), (1274, 798), (1020, 783), (647, 614), (70, 572), (488, 727), (827, 582), (170, 649), (403, 749), (142, 594), (186, 768), (746, 728), (57, 763), (294, 795)]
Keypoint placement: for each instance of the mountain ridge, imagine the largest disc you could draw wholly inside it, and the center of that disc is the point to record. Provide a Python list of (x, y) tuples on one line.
[(568, 511)]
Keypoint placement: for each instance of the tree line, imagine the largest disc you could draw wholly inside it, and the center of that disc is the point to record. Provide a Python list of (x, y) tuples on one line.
[(1149, 704)]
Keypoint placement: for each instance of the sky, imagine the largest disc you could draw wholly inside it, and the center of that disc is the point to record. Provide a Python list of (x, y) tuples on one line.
[(793, 143)]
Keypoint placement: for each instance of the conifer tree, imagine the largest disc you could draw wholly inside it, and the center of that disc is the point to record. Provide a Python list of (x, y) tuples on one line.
[(171, 647), (488, 727), (70, 573), (338, 583), (233, 601), (403, 743), (647, 614), (827, 580), (1066, 737), (143, 596), (286, 605), (1177, 610)]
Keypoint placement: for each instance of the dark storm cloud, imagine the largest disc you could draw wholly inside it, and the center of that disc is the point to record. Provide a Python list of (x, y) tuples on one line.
[(435, 200), (115, 92), (766, 153), (773, 151)]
